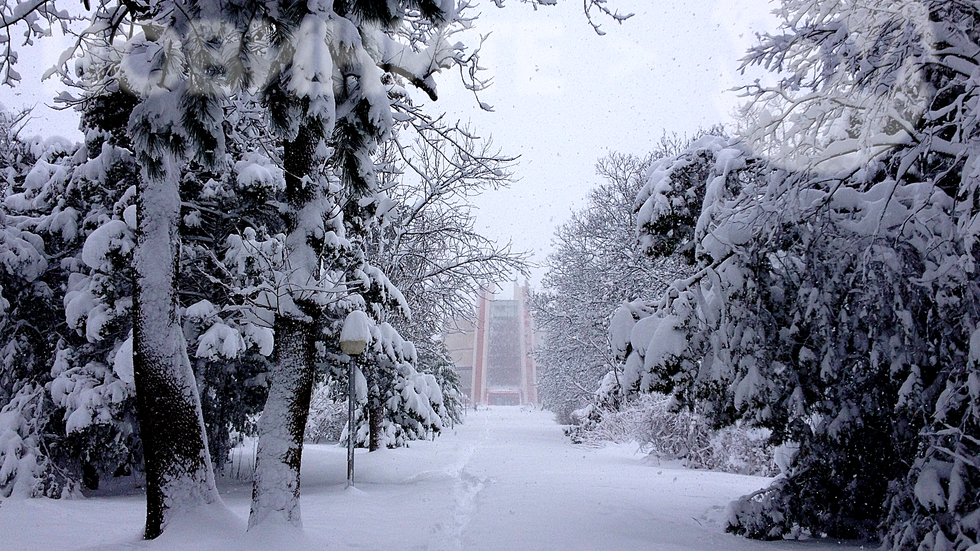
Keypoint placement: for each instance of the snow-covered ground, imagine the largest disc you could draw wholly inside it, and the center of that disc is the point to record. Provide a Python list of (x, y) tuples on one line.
[(505, 480)]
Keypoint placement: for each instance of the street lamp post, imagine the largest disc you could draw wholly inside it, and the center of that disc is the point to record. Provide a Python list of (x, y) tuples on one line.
[(353, 339), (351, 396)]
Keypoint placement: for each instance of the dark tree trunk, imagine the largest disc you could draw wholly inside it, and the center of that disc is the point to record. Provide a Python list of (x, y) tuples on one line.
[(179, 476), (376, 413)]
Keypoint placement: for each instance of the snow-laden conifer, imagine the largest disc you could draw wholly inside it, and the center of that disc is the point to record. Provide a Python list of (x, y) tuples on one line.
[(820, 308), (74, 200)]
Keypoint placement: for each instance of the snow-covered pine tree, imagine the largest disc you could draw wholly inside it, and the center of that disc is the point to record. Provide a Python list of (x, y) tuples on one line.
[(178, 467), (178, 78), (75, 199), (91, 432), (29, 312), (92, 370), (436, 361), (24, 260), (171, 72)]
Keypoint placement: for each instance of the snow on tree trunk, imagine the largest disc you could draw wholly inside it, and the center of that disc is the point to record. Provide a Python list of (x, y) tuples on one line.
[(179, 477), (275, 493)]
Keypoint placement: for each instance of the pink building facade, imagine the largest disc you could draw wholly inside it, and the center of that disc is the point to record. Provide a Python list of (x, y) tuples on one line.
[(494, 355)]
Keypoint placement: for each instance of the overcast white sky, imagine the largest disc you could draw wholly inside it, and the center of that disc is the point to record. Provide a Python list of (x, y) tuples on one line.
[(563, 96)]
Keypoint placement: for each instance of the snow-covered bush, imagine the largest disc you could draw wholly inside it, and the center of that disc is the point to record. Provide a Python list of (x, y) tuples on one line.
[(25, 470), (446, 377), (414, 408), (666, 432), (404, 403)]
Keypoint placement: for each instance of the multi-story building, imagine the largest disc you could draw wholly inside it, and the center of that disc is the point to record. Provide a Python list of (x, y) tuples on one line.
[(493, 355)]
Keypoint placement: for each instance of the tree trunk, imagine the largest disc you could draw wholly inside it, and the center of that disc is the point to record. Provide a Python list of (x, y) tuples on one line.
[(275, 492), (376, 413), (179, 476)]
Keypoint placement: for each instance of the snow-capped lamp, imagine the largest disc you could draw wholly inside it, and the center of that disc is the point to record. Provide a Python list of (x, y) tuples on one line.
[(355, 334)]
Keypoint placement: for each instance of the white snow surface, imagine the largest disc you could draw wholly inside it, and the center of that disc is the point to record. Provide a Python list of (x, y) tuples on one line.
[(122, 361), (620, 327), (506, 479)]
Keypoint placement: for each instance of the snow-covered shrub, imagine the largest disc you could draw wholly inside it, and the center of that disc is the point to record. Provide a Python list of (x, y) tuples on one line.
[(413, 411), (447, 379), (398, 403), (666, 432), (812, 498), (741, 450)]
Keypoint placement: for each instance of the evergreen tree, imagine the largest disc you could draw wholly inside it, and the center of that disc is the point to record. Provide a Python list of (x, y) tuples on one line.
[(819, 310)]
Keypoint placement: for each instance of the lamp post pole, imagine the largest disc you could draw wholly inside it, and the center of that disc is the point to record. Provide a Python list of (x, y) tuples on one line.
[(353, 339), (351, 397)]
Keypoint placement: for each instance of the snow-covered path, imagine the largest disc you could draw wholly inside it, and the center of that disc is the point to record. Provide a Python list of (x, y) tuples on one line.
[(505, 480)]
